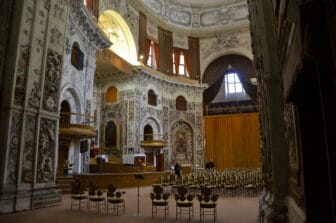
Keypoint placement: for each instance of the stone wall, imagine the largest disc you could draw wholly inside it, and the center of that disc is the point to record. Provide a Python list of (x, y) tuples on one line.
[(131, 113)]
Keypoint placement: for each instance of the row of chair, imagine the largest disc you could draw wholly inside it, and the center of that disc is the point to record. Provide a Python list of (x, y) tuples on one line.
[(228, 182), (184, 202), (109, 199)]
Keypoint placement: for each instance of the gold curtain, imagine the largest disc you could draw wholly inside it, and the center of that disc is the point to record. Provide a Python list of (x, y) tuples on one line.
[(232, 141)]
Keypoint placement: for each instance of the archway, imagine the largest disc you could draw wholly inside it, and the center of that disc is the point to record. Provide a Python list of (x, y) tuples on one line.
[(115, 27)]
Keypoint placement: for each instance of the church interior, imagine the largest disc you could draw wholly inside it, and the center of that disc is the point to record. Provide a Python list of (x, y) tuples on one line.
[(198, 104)]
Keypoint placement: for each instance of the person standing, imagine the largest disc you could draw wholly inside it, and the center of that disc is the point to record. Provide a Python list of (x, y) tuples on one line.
[(177, 169)]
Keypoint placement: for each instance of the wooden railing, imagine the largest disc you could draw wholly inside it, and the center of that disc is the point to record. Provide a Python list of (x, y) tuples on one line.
[(77, 125), (69, 119)]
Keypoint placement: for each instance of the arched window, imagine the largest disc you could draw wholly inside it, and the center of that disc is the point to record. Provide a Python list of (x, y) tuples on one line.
[(77, 56), (110, 134), (181, 103), (152, 98), (148, 132), (65, 115), (111, 94)]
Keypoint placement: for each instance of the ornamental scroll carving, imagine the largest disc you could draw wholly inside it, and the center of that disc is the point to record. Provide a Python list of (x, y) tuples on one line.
[(28, 151), (46, 153), (14, 148), (52, 81)]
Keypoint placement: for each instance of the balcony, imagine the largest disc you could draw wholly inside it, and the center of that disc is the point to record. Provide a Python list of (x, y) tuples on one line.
[(109, 64), (76, 125), (153, 141)]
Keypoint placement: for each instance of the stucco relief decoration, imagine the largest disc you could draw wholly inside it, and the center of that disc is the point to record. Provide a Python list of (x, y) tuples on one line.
[(155, 5), (14, 148), (180, 16), (182, 142), (22, 70), (35, 96), (51, 83), (28, 152), (221, 41), (130, 15), (59, 12), (56, 36), (152, 30), (46, 151), (189, 15), (180, 41), (290, 135)]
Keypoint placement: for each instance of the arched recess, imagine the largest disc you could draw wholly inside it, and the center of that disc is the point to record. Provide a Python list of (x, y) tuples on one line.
[(148, 132), (154, 124), (182, 142), (65, 114), (70, 95), (111, 135), (111, 94), (151, 97), (116, 28), (216, 70), (181, 103)]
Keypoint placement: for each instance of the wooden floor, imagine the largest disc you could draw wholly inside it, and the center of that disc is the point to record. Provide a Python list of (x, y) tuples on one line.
[(230, 210)]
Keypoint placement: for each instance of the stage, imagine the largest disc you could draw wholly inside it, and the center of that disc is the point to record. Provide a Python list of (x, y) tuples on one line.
[(120, 180)]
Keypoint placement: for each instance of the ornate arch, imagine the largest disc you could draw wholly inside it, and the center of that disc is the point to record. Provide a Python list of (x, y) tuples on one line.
[(182, 142), (118, 32), (154, 123), (70, 95)]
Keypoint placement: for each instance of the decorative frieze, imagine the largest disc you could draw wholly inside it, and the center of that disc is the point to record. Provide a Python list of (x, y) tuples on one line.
[(193, 16)]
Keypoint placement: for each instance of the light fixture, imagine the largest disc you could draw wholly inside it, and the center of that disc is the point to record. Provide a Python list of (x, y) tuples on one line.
[(141, 57)]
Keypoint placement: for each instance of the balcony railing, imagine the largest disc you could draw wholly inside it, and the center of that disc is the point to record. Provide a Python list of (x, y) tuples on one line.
[(154, 140), (77, 125)]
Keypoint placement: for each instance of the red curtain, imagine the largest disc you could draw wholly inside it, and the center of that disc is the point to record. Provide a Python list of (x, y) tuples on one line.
[(176, 55), (156, 53), (187, 60), (148, 42)]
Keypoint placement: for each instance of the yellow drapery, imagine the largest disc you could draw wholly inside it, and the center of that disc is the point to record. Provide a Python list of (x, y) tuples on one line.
[(232, 141)]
